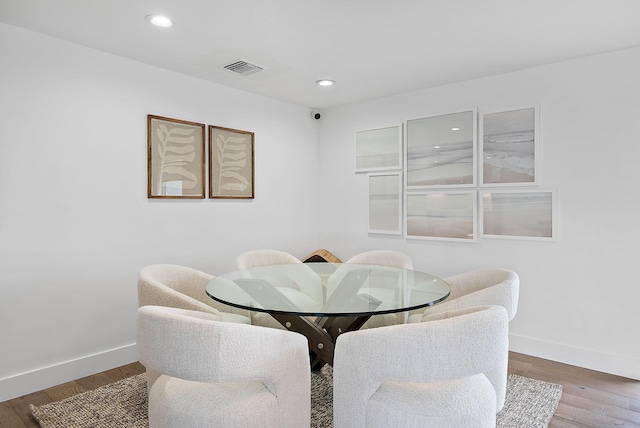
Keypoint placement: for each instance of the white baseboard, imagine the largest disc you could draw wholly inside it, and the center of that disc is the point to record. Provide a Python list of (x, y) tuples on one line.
[(620, 365), (46, 377)]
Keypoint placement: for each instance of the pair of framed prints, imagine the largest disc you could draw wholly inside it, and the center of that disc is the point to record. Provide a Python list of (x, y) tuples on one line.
[(433, 176), (176, 160)]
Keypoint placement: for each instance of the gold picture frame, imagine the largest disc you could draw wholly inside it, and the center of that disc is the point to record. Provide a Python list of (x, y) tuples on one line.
[(175, 158), (231, 163)]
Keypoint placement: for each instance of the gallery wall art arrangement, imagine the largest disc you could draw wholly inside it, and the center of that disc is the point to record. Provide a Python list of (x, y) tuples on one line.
[(176, 160), (458, 176)]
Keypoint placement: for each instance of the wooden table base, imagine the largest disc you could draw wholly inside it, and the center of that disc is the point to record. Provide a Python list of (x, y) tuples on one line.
[(321, 333)]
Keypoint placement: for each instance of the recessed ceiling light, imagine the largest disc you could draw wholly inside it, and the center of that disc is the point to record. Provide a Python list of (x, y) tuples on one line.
[(455, 129), (325, 82), (159, 20)]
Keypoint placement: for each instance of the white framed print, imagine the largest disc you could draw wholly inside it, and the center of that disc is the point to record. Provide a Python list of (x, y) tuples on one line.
[(385, 203), (379, 149), (519, 214), (509, 147), (441, 150), (441, 215)]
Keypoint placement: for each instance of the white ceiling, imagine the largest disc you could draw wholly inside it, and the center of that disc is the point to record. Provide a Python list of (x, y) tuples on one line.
[(371, 48)]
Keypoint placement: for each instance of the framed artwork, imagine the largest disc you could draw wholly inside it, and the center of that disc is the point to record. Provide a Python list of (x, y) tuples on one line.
[(509, 147), (175, 158), (441, 215), (519, 214), (385, 203), (379, 149), (441, 150), (231, 165)]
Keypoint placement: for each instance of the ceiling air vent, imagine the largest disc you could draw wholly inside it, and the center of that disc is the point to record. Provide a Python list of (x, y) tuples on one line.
[(243, 67)]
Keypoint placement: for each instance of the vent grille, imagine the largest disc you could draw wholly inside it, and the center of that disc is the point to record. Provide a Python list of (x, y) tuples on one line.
[(243, 67)]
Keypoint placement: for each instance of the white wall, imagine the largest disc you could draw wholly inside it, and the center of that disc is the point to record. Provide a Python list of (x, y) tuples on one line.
[(75, 221), (579, 296)]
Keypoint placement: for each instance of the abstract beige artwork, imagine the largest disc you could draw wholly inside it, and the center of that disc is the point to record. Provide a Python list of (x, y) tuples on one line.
[(176, 160), (231, 163)]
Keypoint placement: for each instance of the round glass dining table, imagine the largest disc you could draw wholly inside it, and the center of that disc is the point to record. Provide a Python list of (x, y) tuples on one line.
[(324, 300)]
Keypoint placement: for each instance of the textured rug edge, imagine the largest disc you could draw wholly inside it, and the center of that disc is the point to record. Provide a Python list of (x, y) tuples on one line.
[(520, 391), (128, 397), (134, 410)]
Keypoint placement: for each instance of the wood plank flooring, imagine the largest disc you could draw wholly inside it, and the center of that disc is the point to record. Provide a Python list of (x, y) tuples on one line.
[(590, 399), (16, 413)]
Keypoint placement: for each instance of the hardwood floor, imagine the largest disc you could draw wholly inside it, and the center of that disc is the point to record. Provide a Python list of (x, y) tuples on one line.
[(16, 414), (590, 399)]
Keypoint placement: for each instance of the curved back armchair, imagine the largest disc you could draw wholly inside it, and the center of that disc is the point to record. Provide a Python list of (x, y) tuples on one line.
[(255, 258), (181, 287), (215, 373), (304, 287), (423, 374), (476, 288), (384, 258)]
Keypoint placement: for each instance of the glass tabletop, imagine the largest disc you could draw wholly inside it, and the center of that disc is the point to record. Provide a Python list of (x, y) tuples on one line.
[(328, 289)]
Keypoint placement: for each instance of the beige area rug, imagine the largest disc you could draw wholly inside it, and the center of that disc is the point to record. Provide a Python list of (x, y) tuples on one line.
[(530, 404)]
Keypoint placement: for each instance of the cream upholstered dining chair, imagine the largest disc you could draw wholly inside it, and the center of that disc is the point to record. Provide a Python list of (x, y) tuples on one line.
[(182, 287), (303, 287), (477, 288), (384, 258), (255, 258), (428, 374), (215, 373)]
